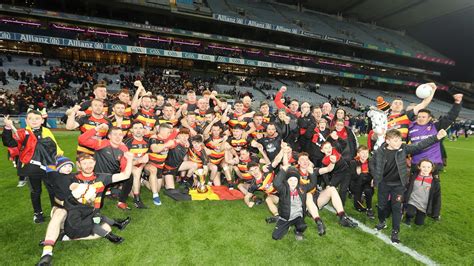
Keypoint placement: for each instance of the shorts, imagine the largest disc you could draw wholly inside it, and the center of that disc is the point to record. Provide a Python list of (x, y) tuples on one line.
[(315, 199), (159, 170), (168, 170)]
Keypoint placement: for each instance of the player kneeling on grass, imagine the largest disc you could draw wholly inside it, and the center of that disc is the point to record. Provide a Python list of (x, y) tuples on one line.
[(262, 181), (292, 202), (317, 199), (389, 169), (78, 199), (424, 194)]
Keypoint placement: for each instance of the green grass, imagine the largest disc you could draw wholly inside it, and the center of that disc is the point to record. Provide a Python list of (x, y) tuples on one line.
[(220, 232)]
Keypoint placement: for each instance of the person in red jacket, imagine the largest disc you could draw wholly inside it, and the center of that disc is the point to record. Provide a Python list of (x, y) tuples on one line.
[(37, 149)]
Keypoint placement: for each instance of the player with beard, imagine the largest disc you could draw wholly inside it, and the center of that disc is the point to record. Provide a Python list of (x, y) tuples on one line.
[(88, 122), (119, 119), (399, 119), (271, 142), (77, 210)]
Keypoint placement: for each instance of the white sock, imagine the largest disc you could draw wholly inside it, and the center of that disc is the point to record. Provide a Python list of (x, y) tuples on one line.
[(65, 238), (155, 195)]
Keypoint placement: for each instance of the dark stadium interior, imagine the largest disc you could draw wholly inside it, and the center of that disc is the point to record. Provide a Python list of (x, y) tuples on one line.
[(393, 16)]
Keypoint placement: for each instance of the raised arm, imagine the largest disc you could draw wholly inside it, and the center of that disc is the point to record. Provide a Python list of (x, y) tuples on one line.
[(136, 99), (8, 131), (87, 138), (425, 101), (208, 128), (447, 120), (71, 122), (278, 181), (278, 97)]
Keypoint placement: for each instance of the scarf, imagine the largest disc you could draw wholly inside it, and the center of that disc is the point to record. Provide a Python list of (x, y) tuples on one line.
[(364, 166), (342, 134), (326, 160), (294, 193), (318, 138)]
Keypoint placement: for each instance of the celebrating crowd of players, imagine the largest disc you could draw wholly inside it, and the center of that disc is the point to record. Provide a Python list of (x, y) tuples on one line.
[(296, 160)]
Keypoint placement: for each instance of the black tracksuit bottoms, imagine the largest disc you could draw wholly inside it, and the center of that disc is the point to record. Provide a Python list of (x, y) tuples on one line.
[(282, 226), (393, 195)]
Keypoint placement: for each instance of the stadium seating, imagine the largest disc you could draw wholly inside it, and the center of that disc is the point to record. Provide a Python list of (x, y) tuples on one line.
[(323, 24)]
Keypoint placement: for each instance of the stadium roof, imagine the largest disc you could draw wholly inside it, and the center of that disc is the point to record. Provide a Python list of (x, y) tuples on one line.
[(444, 25), (395, 14)]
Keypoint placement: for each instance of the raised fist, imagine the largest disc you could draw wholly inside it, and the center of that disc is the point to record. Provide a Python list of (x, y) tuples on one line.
[(441, 134), (458, 98)]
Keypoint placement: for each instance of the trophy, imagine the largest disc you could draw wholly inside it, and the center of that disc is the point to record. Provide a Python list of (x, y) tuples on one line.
[(201, 181)]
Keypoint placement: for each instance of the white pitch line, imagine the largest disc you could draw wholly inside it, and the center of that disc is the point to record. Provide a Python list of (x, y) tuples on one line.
[(413, 253)]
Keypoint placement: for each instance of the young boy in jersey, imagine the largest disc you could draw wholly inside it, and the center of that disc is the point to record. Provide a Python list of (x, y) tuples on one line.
[(389, 169), (37, 148)]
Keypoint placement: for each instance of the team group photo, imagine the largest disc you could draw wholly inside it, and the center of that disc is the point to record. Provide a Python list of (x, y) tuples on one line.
[(236, 132)]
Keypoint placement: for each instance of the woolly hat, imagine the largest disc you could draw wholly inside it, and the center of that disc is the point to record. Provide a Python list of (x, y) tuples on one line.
[(382, 104), (292, 172), (62, 161)]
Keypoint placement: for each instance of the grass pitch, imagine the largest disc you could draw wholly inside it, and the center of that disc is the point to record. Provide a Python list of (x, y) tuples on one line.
[(228, 232)]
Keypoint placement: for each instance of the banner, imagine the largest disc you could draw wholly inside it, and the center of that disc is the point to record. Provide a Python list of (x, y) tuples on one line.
[(225, 18), (183, 55)]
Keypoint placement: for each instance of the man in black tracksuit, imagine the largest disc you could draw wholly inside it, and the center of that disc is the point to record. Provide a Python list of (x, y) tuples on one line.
[(292, 202), (388, 166)]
